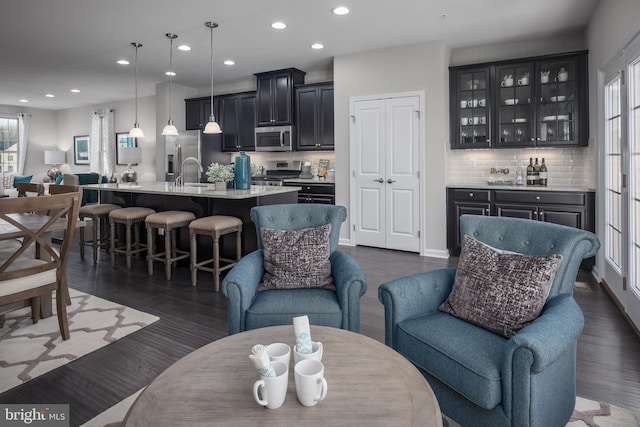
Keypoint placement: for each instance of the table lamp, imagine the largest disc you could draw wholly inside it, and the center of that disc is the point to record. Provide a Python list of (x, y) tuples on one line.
[(54, 158), (131, 156)]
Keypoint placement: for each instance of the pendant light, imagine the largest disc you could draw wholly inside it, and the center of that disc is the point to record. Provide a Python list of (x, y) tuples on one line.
[(170, 129), (212, 126), (135, 131)]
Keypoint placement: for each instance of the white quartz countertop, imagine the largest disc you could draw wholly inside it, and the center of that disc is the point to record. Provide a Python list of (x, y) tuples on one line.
[(487, 186), (314, 180), (194, 190)]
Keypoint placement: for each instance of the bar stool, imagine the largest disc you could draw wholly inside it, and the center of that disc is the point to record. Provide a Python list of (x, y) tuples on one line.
[(129, 217), (215, 226), (168, 221), (99, 213)]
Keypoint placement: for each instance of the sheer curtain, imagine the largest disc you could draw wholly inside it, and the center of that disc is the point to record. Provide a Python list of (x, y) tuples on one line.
[(102, 156), (23, 138)]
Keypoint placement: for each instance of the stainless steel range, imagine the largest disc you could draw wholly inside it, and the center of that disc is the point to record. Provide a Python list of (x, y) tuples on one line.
[(276, 171)]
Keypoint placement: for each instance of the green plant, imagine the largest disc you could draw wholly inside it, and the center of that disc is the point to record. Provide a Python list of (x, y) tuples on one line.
[(217, 172)]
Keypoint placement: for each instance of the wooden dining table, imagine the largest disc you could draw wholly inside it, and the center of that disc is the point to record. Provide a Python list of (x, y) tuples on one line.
[(32, 221)]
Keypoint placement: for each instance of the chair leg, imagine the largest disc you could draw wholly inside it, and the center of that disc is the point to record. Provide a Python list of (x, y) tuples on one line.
[(128, 243), (63, 320), (168, 253), (35, 309), (94, 245), (150, 249), (136, 230), (216, 262), (82, 241), (112, 239), (238, 244), (193, 245)]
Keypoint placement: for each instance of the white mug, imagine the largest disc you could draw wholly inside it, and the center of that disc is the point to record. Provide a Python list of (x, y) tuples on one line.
[(474, 120), (279, 352), (544, 78), (482, 102), (463, 104), (507, 83), (316, 353), (483, 120), (271, 392), (472, 103), (463, 121), (563, 76), (311, 386), (523, 81)]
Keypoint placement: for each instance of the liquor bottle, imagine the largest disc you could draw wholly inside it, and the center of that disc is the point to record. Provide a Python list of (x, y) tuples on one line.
[(536, 173), (530, 176), (543, 173)]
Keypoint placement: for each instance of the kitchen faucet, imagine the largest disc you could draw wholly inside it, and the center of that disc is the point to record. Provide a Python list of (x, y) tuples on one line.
[(180, 179)]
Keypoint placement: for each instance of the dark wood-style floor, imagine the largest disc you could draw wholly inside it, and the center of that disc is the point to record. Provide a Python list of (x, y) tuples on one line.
[(608, 351)]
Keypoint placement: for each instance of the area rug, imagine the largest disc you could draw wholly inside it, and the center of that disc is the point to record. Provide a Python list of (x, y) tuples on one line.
[(28, 350), (587, 413)]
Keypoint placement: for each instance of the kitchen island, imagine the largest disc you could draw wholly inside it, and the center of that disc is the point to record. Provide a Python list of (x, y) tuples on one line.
[(201, 199)]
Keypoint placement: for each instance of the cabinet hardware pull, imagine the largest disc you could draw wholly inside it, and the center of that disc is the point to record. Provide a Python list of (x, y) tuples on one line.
[(537, 197), (470, 194)]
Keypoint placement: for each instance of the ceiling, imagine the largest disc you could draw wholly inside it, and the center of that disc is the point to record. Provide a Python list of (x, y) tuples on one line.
[(53, 46)]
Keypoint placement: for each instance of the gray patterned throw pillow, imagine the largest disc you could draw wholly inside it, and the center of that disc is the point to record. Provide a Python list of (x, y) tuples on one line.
[(296, 258), (497, 290)]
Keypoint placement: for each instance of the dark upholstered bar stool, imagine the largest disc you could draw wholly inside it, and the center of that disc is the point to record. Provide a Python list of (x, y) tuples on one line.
[(99, 213), (215, 226), (128, 217), (168, 221)]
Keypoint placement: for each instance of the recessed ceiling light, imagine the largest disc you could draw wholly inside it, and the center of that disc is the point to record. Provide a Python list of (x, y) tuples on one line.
[(317, 46), (184, 47), (279, 25), (50, 95), (170, 73), (444, 15), (75, 90), (229, 62), (123, 62), (341, 10), (24, 100)]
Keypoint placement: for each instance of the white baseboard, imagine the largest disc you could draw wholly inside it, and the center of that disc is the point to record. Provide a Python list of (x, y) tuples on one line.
[(435, 253)]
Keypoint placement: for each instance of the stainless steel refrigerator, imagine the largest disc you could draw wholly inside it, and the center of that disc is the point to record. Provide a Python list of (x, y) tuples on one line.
[(207, 148)]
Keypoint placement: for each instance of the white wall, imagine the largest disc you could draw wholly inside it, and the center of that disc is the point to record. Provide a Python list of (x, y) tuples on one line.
[(612, 25), (417, 67)]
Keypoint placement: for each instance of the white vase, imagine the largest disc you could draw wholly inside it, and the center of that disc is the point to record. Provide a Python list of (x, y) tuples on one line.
[(220, 186)]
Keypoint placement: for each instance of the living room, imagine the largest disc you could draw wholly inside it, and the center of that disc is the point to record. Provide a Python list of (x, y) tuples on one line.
[(419, 65)]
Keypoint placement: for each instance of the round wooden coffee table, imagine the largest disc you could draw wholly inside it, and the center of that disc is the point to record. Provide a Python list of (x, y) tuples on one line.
[(369, 384)]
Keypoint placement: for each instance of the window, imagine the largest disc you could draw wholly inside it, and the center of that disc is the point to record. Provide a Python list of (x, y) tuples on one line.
[(8, 145)]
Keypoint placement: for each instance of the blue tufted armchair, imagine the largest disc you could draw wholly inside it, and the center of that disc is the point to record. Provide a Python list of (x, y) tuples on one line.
[(480, 378), (249, 308)]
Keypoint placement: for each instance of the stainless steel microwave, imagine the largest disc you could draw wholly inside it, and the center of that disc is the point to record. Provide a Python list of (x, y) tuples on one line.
[(275, 138)]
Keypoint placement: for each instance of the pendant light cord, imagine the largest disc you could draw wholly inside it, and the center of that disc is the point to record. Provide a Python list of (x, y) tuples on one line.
[(136, 79), (211, 30), (170, 70)]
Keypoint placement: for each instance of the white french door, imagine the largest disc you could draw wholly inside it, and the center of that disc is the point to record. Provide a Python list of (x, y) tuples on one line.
[(385, 160), (622, 177)]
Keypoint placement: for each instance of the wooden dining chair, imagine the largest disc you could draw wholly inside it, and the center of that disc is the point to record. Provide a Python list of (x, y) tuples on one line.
[(23, 277), (35, 189), (62, 189)]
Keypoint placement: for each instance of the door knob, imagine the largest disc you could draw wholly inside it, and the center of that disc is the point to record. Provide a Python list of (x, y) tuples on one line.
[(380, 180), (391, 181)]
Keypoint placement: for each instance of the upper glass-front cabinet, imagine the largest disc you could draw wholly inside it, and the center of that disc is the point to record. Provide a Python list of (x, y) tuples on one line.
[(539, 101), (473, 116)]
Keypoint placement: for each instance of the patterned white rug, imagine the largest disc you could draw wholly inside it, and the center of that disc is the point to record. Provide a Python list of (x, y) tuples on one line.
[(587, 413), (28, 350)]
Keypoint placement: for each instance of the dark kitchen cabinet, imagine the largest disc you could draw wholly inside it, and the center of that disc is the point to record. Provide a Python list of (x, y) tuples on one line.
[(315, 192), (197, 112), (571, 208), (530, 102), (461, 202), (274, 96), (314, 117), (238, 121)]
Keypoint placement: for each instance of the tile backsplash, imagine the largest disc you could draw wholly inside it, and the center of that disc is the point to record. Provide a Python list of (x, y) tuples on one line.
[(570, 167)]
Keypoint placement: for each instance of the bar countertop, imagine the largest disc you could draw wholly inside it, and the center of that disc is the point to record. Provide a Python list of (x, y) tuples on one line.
[(194, 190)]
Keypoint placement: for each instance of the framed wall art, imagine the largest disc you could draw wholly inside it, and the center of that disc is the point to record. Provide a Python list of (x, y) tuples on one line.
[(81, 150)]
